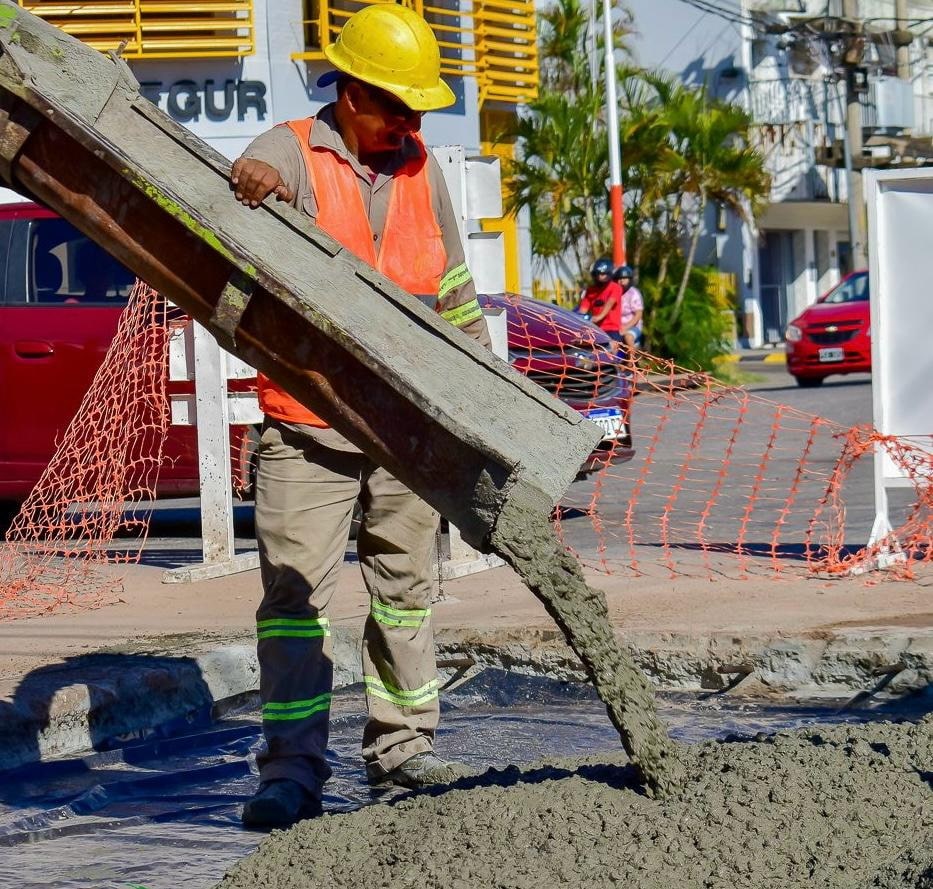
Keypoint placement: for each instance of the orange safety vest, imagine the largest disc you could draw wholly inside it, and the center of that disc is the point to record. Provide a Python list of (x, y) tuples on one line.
[(412, 252)]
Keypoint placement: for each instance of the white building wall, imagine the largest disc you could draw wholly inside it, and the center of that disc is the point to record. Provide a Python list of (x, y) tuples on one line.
[(228, 102), (694, 45)]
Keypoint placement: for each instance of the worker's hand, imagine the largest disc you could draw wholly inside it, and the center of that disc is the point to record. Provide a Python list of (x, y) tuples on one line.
[(254, 180)]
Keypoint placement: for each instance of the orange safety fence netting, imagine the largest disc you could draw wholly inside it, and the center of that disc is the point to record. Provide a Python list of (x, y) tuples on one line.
[(701, 477), (725, 482), (694, 476), (56, 548)]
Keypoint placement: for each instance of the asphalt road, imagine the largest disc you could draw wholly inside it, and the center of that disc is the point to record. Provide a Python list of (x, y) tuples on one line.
[(845, 399), (712, 472)]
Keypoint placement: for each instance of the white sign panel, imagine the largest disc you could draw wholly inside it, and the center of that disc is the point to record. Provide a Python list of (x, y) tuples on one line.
[(476, 193), (900, 220)]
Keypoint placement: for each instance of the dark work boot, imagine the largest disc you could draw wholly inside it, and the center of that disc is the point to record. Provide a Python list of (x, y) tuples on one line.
[(280, 804), (420, 770)]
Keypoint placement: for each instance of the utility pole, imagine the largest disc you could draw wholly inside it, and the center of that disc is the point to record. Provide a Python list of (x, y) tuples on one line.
[(855, 75), (903, 39), (594, 48), (615, 149)]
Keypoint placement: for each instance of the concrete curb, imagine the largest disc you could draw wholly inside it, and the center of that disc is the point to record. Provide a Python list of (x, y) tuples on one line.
[(775, 356), (101, 700), (675, 383), (832, 665), (688, 380)]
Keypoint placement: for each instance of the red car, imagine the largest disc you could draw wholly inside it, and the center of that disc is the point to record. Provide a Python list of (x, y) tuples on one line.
[(833, 336), (577, 362), (60, 304)]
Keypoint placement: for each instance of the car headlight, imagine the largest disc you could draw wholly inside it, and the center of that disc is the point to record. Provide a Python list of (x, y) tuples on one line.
[(793, 334)]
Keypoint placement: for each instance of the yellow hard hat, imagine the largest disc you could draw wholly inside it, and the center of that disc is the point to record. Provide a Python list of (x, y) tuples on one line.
[(394, 48)]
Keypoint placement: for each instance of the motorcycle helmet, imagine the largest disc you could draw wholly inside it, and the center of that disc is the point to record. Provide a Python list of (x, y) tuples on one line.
[(601, 270)]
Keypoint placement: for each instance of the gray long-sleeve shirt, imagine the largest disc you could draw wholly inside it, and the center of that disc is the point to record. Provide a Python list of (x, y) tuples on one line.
[(280, 149)]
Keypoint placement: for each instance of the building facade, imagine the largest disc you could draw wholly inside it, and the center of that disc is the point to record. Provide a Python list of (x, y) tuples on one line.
[(787, 61), (230, 69)]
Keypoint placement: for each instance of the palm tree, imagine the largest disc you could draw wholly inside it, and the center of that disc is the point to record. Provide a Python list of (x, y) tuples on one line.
[(563, 162), (644, 133), (560, 176), (709, 158), (680, 151)]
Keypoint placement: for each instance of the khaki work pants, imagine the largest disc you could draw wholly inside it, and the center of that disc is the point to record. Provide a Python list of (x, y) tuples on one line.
[(308, 481)]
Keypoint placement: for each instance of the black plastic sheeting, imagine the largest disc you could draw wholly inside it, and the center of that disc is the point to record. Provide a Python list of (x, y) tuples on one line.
[(164, 812)]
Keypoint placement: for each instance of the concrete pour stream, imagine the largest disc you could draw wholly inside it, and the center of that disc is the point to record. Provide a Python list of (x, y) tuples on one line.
[(841, 807)]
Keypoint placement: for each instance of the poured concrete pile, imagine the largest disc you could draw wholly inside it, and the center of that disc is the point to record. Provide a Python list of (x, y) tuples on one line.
[(840, 807)]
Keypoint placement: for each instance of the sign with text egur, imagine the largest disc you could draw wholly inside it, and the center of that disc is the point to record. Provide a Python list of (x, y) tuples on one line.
[(190, 100)]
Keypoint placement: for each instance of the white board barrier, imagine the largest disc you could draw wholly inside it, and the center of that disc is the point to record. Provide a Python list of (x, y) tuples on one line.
[(474, 184), (900, 222), (195, 355)]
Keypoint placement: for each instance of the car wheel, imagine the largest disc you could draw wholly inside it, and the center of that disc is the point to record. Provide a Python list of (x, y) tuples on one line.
[(809, 382), (8, 511)]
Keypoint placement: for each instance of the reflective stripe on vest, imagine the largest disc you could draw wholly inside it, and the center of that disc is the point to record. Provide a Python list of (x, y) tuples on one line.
[(412, 252)]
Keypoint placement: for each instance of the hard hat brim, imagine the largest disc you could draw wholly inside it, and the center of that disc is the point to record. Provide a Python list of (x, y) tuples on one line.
[(417, 98)]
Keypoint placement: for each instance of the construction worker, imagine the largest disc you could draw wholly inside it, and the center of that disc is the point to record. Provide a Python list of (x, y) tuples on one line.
[(360, 170), (632, 307), (602, 299)]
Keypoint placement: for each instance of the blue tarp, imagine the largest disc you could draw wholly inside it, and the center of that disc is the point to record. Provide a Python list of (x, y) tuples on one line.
[(164, 812)]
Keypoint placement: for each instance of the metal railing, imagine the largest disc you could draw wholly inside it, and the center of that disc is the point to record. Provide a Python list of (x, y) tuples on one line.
[(155, 29), (888, 103), (494, 41)]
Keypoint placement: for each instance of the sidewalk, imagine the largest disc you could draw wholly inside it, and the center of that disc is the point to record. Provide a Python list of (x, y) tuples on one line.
[(167, 653), (777, 355)]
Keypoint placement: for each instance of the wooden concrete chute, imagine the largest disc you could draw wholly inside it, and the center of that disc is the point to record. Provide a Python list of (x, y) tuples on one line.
[(452, 421)]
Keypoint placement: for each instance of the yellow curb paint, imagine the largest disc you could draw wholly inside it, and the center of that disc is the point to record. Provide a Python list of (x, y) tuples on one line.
[(776, 358)]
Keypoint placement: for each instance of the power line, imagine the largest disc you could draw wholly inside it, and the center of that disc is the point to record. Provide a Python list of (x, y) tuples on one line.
[(735, 16), (676, 46)]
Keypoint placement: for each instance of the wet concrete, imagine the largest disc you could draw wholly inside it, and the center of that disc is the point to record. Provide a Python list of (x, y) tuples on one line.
[(842, 807), (839, 807), (527, 541), (914, 868)]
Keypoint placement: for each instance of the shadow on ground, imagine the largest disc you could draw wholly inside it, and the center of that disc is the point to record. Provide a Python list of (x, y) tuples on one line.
[(100, 702)]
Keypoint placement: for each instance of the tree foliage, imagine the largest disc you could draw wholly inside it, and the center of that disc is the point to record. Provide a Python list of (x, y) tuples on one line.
[(681, 151)]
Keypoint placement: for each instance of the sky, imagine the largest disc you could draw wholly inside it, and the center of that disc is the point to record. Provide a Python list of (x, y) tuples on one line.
[(681, 37)]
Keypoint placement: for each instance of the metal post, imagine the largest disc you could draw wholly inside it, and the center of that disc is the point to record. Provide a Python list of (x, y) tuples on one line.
[(853, 147), (594, 49), (850, 173), (615, 150), (902, 53)]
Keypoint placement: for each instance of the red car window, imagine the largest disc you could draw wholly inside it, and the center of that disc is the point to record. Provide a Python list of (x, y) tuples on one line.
[(854, 289)]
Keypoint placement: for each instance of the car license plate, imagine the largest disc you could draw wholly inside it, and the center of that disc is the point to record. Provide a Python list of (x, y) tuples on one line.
[(832, 354), (610, 419)]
